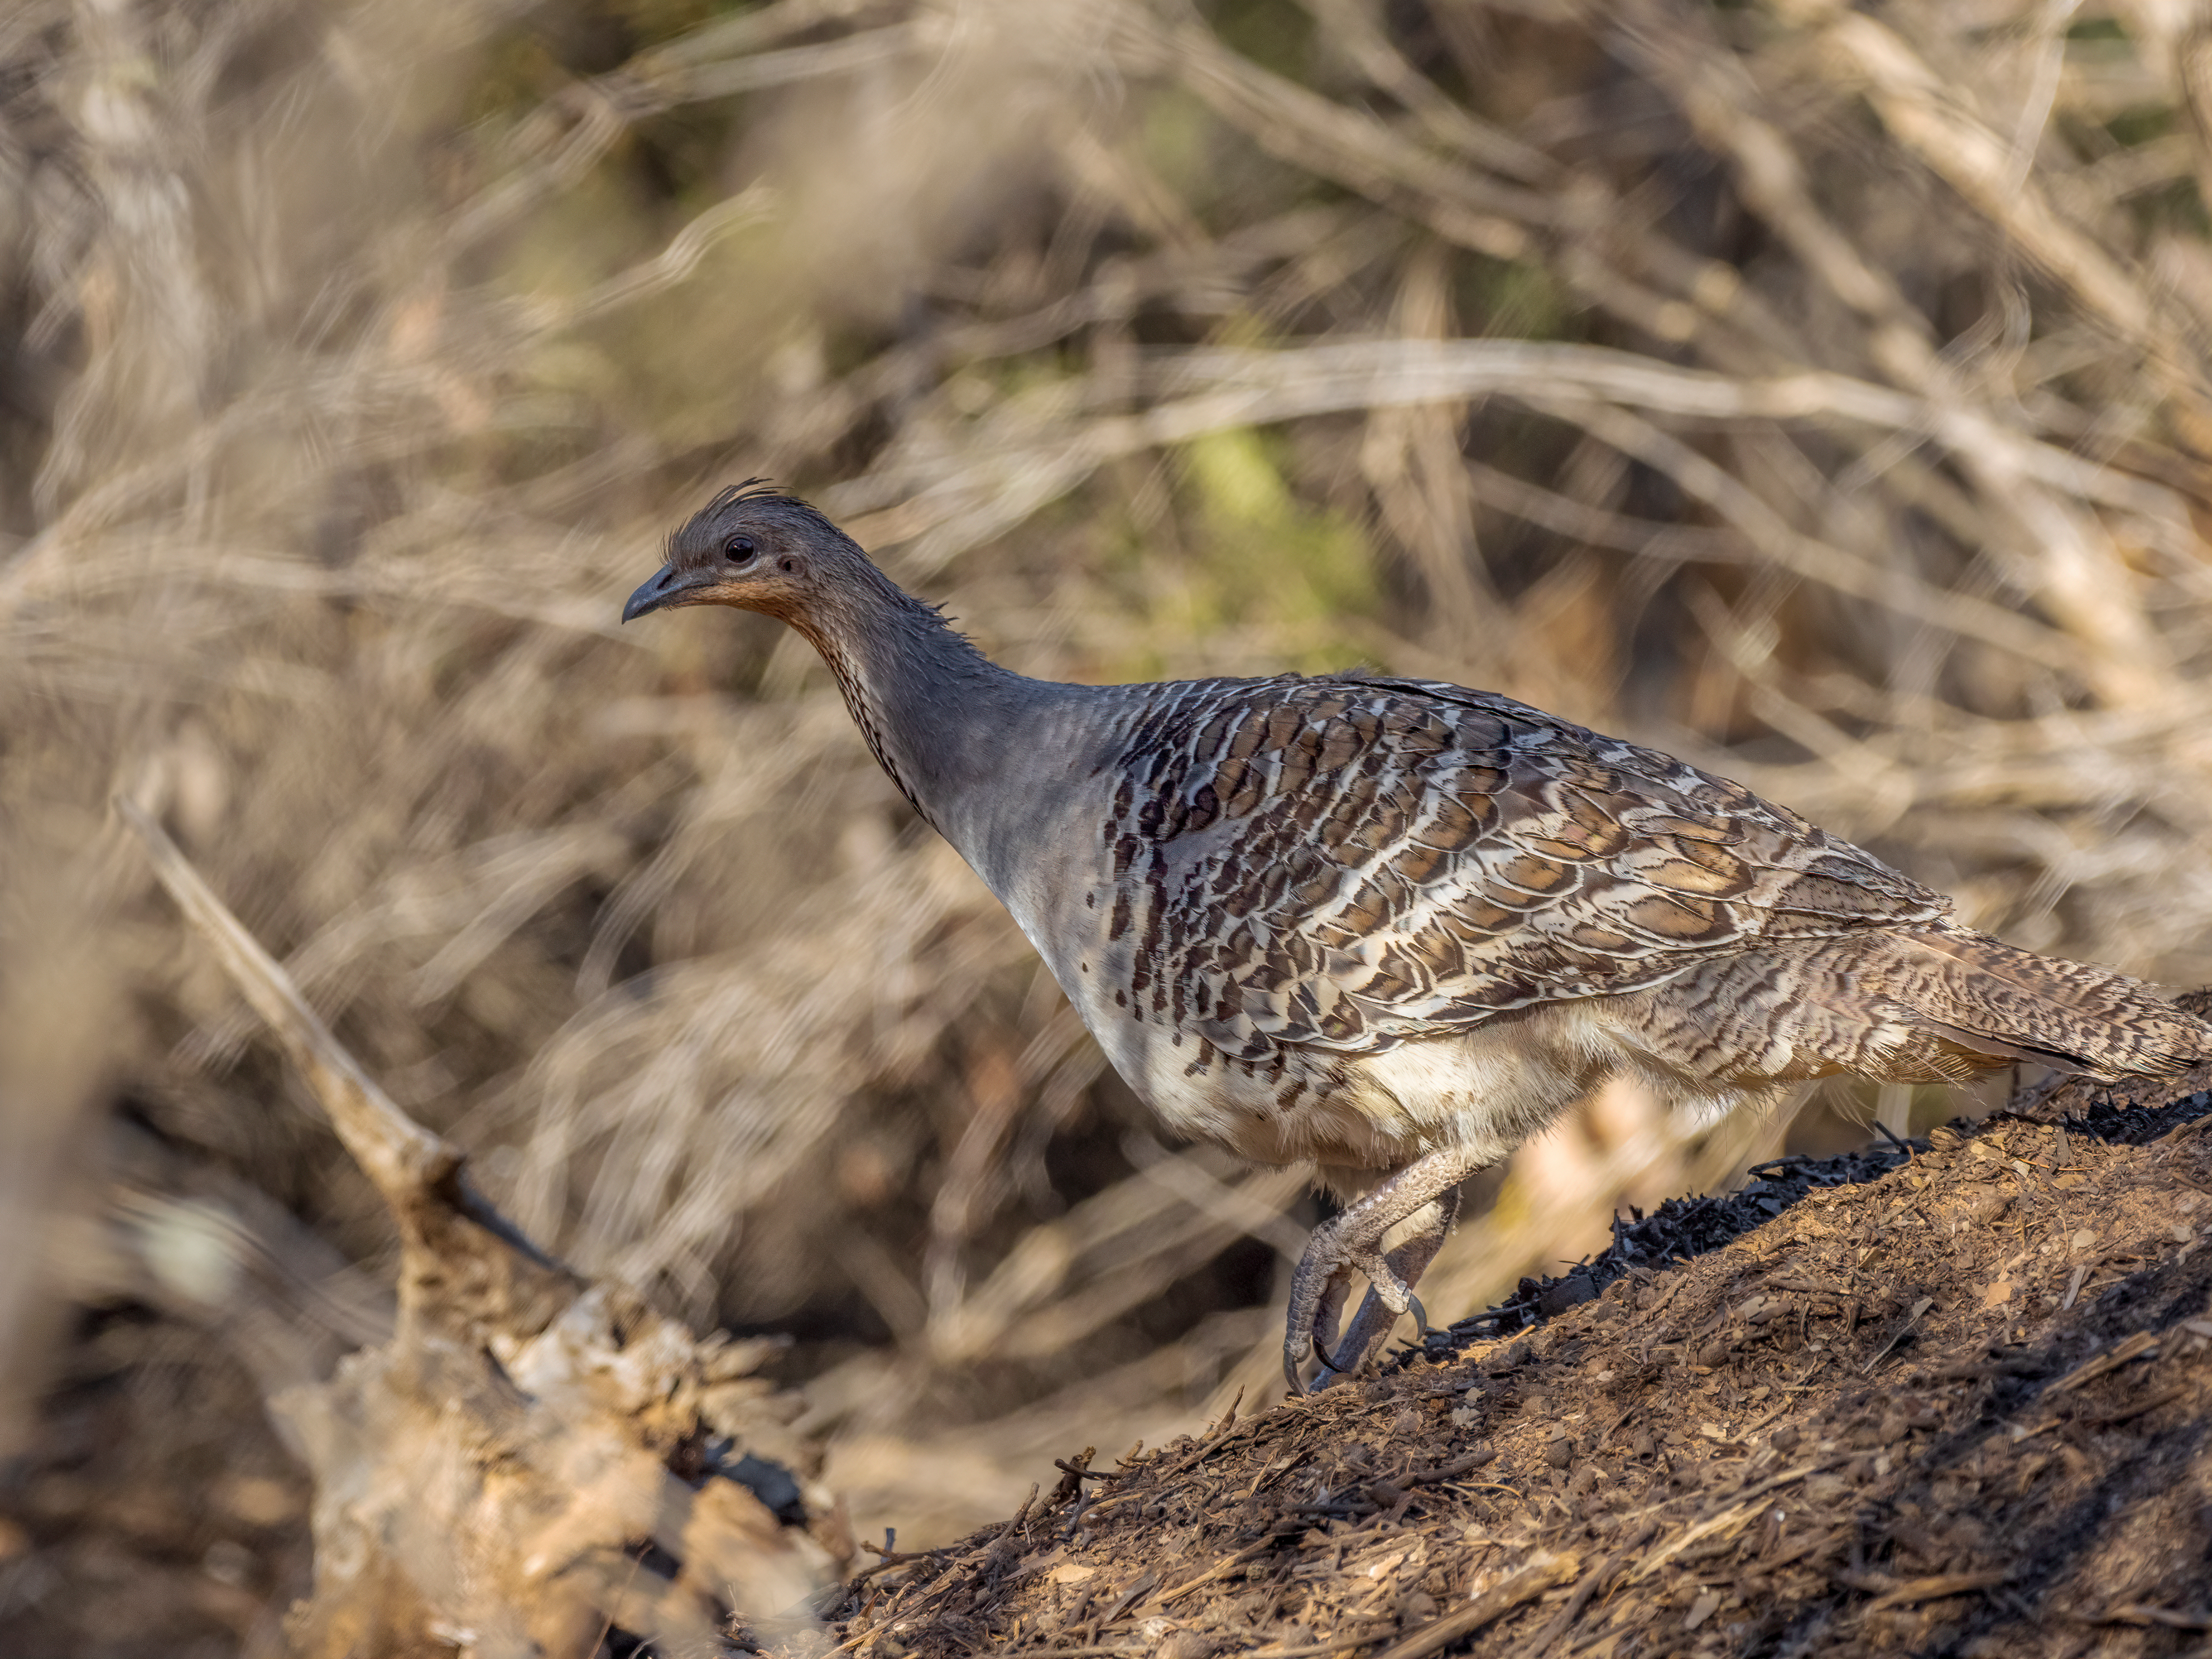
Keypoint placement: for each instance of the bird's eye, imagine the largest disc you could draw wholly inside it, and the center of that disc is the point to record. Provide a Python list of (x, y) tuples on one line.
[(739, 549)]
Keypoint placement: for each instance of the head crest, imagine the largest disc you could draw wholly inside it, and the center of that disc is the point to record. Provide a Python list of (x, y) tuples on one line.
[(750, 491), (761, 491)]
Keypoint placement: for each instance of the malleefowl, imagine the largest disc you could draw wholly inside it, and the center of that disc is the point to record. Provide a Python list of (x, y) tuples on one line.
[(1395, 927)]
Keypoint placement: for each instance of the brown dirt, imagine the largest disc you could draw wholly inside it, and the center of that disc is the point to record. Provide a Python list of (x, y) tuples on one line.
[(1959, 1409)]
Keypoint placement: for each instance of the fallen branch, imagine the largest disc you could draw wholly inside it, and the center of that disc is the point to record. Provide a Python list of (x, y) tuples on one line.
[(507, 1462)]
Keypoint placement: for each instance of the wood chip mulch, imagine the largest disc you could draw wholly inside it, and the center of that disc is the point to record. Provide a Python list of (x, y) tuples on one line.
[(1963, 1408)]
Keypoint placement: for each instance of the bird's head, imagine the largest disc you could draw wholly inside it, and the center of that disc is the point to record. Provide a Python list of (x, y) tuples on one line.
[(752, 547)]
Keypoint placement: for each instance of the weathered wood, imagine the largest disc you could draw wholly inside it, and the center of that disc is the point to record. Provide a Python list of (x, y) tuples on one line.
[(533, 1456)]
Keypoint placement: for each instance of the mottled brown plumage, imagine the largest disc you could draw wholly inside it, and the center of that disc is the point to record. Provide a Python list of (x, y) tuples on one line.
[(1395, 927), (1348, 863)]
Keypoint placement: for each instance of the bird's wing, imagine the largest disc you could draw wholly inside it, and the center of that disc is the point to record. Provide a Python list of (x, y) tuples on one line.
[(1346, 863)]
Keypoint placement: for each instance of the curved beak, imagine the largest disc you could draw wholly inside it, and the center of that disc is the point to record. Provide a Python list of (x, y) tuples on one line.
[(668, 587)]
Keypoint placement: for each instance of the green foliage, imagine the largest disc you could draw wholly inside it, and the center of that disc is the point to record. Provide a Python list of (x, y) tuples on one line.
[(1515, 299), (652, 22), (1257, 561), (1277, 34), (1176, 136)]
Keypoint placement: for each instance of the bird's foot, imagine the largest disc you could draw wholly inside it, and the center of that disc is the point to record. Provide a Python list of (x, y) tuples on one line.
[(1351, 1242), (1319, 1290)]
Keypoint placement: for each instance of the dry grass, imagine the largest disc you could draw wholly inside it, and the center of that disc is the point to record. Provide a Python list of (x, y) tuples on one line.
[(1818, 391)]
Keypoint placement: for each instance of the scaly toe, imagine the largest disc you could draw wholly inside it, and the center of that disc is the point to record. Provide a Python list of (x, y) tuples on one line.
[(1391, 1290)]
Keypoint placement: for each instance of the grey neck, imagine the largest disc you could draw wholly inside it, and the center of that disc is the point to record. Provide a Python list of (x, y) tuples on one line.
[(942, 718)]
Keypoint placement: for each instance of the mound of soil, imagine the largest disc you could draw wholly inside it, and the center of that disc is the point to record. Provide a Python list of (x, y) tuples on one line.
[(1948, 1397)]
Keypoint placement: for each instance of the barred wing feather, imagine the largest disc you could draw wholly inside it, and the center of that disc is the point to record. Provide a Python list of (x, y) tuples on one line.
[(1348, 862)]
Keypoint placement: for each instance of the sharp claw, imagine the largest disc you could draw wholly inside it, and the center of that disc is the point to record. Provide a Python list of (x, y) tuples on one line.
[(1420, 1314), (1328, 1314)]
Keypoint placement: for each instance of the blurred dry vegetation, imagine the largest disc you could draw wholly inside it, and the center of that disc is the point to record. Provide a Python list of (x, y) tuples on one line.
[(1819, 391)]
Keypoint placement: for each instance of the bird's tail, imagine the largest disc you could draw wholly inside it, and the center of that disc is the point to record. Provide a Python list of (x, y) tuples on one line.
[(1987, 998)]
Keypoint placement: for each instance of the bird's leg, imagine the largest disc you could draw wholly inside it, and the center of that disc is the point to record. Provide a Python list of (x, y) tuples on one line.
[(1370, 1327), (1354, 1239)]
